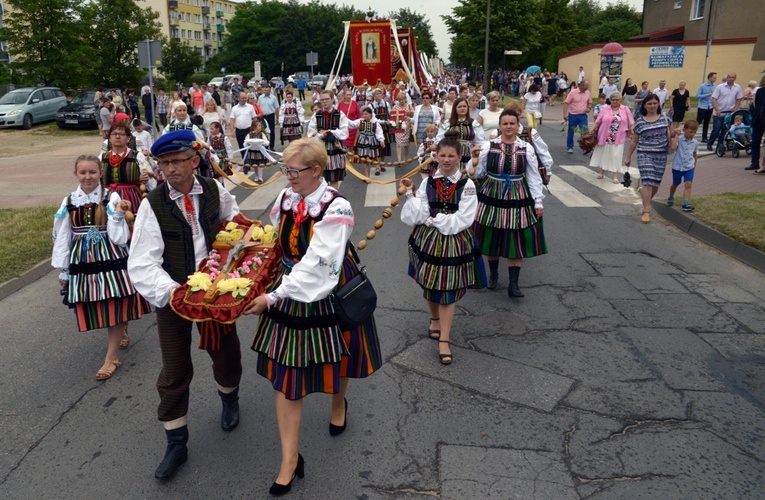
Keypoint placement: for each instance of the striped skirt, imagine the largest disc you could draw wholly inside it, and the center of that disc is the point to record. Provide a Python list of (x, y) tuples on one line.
[(291, 128), (106, 313), (506, 224), (445, 265), (301, 350), (366, 145), (651, 166)]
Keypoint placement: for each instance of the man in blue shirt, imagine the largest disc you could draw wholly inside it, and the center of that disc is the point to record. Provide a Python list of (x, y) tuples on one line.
[(301, 88), (704, 95), (270, 105)]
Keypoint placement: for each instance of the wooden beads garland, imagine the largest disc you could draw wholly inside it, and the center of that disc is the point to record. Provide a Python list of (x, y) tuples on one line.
[(386, 213)]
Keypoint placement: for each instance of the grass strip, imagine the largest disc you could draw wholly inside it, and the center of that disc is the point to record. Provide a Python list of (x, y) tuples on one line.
[(25, 239), (734, 214)]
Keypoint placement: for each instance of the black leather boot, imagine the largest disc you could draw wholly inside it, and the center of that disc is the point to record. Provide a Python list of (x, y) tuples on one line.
[(493, 274), (513, 290), (176, 453), (229, 418)]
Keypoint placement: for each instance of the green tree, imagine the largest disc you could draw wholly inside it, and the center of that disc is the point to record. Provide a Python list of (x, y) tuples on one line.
[(45, 38), (513, 26), (558, 30), (616, 23), (586, 12), (179, 60), (115, 28), (406, 18)]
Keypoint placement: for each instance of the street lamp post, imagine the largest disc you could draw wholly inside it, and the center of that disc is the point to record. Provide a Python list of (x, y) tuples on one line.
[(504, 66)]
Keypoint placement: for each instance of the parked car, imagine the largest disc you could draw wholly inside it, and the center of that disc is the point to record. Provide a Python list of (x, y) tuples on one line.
[(230, 79), (272, 81), (26, 106), (218, 80), (318, 79), (80, 112)]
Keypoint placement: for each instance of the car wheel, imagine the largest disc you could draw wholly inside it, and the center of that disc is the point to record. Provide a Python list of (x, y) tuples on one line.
[(27, 123), (60, 125)]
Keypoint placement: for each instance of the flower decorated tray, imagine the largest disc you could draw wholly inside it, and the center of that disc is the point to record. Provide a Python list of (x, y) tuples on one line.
[(239, 268)]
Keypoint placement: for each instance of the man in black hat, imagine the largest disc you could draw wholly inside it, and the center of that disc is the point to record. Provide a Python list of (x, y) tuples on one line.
[(174, 230)]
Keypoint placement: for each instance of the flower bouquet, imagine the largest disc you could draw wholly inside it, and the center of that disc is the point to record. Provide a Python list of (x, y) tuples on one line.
[(239, 267)]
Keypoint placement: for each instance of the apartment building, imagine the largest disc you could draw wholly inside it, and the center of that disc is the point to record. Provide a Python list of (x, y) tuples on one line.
[(5, 55), (199, 23)]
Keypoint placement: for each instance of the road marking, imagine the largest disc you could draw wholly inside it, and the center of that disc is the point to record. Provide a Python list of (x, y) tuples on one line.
[(569, 195), (263, 198), (606, 184), (379, 195)]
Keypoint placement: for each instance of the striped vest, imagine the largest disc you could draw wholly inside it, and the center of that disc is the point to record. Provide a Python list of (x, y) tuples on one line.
[(178, 256)]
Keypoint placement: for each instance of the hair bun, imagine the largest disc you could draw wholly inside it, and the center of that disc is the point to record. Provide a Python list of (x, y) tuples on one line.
[(452, 135)]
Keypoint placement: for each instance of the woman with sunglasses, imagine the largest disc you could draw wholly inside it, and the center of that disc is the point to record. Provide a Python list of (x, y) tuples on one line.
[(301, 349), (425, 114)]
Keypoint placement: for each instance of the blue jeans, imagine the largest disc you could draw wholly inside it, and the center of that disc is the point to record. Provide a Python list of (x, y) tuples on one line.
[(718, 129), (573, 122)]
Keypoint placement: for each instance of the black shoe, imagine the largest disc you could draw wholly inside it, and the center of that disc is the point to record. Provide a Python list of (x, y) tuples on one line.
[(335, 430), (709, 148), (446, 359), (434, 334), (383, 169), (278, 490), (688, 207), (176, 454), (751, 167), (512, 289), (229, 417)]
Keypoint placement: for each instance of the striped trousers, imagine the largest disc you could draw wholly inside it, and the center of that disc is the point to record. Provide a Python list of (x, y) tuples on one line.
[(177, 369)]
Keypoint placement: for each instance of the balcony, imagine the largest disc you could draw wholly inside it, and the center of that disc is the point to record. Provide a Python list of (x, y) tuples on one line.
[(172, 4), (206, 11), (208, 44), (206, 26), (174, 22), (221, 28), (218, 13)]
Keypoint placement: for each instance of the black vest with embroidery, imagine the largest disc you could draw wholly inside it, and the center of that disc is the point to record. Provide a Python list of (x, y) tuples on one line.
[(437, 203), (178, 256)]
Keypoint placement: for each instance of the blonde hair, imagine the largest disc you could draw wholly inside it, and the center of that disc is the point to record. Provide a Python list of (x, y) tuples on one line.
[(93, 158), (310, 151), (431, 128)]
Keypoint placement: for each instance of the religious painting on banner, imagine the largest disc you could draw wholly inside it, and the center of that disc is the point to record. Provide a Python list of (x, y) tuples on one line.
[(370, 52)]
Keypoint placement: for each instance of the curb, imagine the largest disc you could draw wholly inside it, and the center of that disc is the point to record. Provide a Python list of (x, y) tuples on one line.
[(712, 237), (14, 285)]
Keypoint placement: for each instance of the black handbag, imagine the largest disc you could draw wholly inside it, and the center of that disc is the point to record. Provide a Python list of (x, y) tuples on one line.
[(356, 300)]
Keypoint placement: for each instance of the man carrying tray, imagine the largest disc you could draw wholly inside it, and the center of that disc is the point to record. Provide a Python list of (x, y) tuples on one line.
[(174, 231)]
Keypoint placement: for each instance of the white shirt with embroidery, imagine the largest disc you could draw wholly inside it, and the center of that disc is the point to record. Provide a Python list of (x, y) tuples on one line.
[(416, 210), (318, 272), (116, 228), (533, 177), (147, 246)]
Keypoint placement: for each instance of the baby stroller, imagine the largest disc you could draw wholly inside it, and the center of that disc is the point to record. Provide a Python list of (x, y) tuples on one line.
[(730, 142)]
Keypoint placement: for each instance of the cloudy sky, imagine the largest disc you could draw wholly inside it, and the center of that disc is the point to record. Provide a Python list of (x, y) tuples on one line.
[(434, 9)]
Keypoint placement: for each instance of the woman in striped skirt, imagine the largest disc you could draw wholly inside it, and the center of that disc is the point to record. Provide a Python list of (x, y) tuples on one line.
[(442, 254), (90, 237), (301, 349), (509, 219)]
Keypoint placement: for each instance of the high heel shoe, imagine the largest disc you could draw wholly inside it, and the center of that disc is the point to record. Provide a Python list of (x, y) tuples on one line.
[(434, 334), (446, 359), (335, 430), (278, 490)]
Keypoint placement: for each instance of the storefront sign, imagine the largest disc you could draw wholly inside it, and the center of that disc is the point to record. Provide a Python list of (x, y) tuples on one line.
[(667, 57)]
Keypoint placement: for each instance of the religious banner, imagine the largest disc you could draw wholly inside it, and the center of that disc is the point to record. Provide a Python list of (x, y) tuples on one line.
[(371, 52)]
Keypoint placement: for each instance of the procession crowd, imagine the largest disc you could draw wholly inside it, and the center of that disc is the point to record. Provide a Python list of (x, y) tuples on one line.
[(480, 194)]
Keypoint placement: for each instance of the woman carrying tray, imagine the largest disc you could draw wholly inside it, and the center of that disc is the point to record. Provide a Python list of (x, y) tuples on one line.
[(301, 349)]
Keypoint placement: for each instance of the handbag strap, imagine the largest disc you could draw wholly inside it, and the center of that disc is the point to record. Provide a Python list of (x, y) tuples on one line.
[(355, 255)]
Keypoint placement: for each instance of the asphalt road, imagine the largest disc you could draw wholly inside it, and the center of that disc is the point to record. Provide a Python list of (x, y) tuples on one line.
[(633, 368)]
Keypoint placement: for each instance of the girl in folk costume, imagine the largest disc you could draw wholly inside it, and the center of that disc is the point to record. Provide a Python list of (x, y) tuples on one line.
[(362, 96), (469, 135), (301, 349), (291, 116), (442, 254), (370, 139), (221, 146), (509, 219), (352, 111), (124, 170), (381, 110), (256, 154), (330, 125), (427, 149), (181, 121), (90, 238)]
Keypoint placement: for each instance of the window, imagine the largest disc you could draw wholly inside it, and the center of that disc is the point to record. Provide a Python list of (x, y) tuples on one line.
[(198, 18), (176, 33), (188, 17), (196, 3), (197, 35), (697, 9)]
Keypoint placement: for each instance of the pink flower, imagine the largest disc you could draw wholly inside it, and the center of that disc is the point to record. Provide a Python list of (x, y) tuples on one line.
[(234, 275), (258, 261), (214, 263)]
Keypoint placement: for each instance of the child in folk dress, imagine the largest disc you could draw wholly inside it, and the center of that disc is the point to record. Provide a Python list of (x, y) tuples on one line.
[(90, 237), (370, 139), (255, 157), (442, 256), (427, 149)]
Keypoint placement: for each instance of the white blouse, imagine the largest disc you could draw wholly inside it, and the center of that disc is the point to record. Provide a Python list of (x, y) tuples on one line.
[(116, 228), (416, 210), (318, 272), (533, 178)]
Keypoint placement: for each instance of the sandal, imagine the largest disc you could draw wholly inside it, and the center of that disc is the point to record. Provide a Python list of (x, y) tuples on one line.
[(646, 217), (125, 341), (760, 171), (446, 359), (616, 181), (105, 372), (434, 334), (600, 176)]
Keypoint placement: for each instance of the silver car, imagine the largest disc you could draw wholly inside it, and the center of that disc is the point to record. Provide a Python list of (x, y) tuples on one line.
[(27, 106)]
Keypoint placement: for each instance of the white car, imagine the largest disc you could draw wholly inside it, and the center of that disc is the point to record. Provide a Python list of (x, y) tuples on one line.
[(218, 81)]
